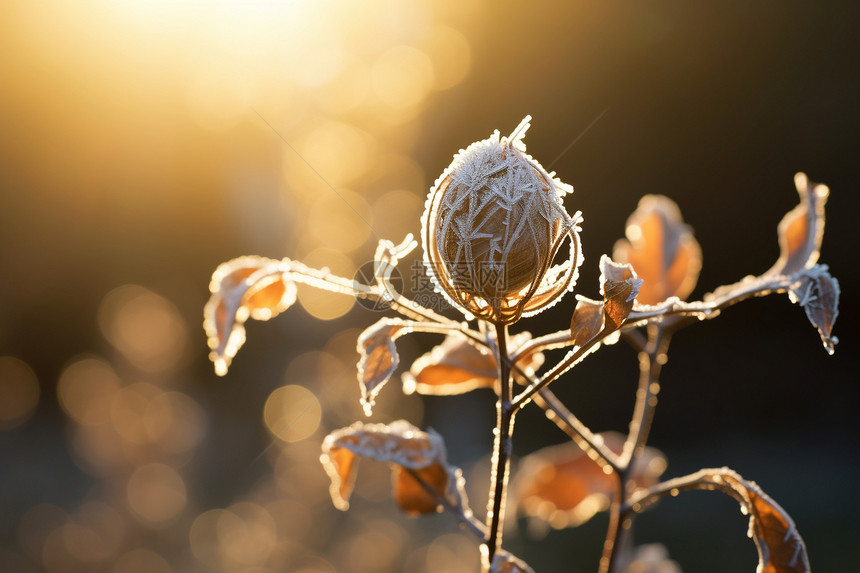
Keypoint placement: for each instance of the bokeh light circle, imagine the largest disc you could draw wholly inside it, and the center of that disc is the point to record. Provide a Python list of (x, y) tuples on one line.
[(292, 413), (156, 493), (86, 389), (144, 326)]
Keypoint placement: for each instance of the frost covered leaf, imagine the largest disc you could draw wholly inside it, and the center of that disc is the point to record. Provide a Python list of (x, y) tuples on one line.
[(619, 287), (412, 495), (818, 293), (504, 562), (564, 487), (379, 357), (662, 249), (780, 547), (801, 230), (253, 287), (414, 455), (587, 321), (457, 367)]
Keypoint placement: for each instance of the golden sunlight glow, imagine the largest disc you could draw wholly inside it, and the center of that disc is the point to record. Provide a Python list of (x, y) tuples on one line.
[(402, 76), (325, 305), (335, 224), (338, 150), (184, 107)]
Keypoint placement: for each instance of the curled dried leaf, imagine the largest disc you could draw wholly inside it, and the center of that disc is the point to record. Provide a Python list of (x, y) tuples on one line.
[(662, 249), (587, 321), (801, 230), (565, 487), (818, 293), (780, 547), (457, 366), (379, 358), (421, 474), (619, 286), (253, 287)]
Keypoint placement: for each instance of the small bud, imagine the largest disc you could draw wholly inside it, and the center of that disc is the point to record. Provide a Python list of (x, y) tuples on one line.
[(493, 222)]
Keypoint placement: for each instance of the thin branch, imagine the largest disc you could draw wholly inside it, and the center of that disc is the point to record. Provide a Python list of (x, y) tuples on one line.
[(682, 312), (560, 339), (501, 450), (572, 359), (702, 479), (650, 364), (651, 361), (580, 433)]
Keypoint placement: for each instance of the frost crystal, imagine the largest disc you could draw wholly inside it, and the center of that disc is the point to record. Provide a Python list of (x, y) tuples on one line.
[(492, 224)]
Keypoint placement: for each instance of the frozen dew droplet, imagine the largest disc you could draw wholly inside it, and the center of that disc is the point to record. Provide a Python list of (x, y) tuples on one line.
[(367, 406)]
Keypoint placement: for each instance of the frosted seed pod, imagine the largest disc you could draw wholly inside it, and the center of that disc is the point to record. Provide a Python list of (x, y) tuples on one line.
[(492, 225)]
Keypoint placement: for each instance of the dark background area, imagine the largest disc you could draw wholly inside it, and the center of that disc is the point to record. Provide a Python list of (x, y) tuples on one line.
[(715, 105)]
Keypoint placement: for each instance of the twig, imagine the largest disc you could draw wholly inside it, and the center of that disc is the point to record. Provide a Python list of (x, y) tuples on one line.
[(651, 361), (501, 451)]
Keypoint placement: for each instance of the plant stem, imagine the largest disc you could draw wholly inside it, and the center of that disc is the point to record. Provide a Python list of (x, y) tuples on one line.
[(558, 413), (501, 452), (651, 361)]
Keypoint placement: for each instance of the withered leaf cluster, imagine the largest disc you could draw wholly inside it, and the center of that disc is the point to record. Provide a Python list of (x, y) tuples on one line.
[(496, 206)]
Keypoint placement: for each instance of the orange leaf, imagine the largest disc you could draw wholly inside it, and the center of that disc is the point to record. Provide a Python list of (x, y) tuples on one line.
[(412, 496), (662, 249), (801, 230), (563, 486), (619, 286), (587, 321), (247, 287), (456, 366), (780, 547), (379, 358), (408, 449)]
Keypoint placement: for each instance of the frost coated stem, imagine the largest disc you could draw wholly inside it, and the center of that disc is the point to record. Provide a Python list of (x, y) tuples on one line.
[(501, 453), (651, 361)]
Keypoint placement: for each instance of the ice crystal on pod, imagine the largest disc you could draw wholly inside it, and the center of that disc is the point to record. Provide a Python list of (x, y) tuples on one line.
[(493, 222)]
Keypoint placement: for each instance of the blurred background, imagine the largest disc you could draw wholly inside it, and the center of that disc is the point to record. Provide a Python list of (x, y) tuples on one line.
[(143, 142)]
